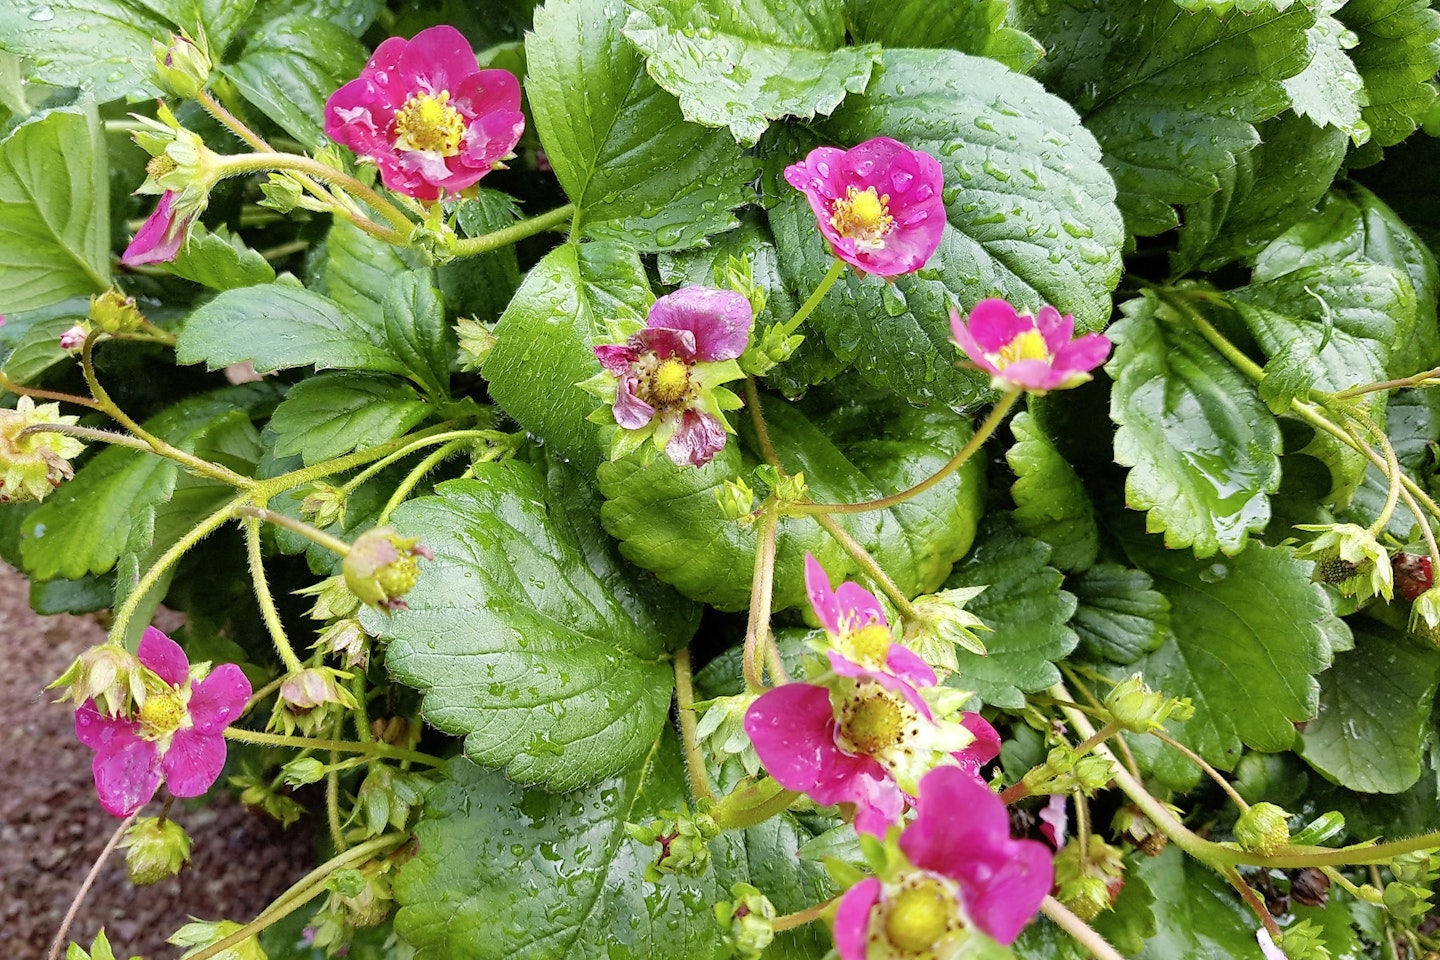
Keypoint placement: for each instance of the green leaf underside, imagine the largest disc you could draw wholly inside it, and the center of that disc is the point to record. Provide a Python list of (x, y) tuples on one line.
[(111, 504), (545, 341), (1120, 617), (1374, 715), (526, 636), (291, 66), (977, 27), (669, 522), (54, 209), (334, 413), (1247, 634), (1203, 449), (1024, 605), (506, 873), (1172, 96), (278, 326), (1030, 211), (1397, 56), (220, 261), (742, 65), (1050, 501), (416, 331), (617, 142)]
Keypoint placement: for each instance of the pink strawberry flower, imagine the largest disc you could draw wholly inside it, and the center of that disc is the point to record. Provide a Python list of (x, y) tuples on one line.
[(663, 382), (1025, 352), (960, 867), (177, 734), (878, 204), (158, 239), (860, 644), (428, 116)]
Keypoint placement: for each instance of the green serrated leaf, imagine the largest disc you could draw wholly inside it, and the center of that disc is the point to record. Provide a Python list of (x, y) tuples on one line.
[(358, 271), (505, 872), (1050, 501), (1172, 97), (1413, 426), (545, 341), (1247, 635), (220, 261), (1397, 56), (417, 334), (1374, 715), (618, 143), (1203, 449), (290, 67), (39, 349), (669, 521), (527, 635), (1024, 605), (54, 208), (334, 413), (1030, 216), (279, 326), (741, 65), (978, 27), (86, 524), (1330, 91), (1198, 916), (1119, 616)]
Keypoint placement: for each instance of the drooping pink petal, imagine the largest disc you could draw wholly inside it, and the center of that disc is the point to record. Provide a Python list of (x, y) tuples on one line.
[(127, 773), (164, 656), (668, 342), (1083, 354), (822, 599), (984, 748), (630, 411), (845, 667), (217, 700), (908, 666), (994, 323), (159, 237), (720, 320), (793, 729), (193, 762), (615, 357), (699, 437), (1055, 329), (98, 731), (1055, 819), (878, 801), (852, 919)]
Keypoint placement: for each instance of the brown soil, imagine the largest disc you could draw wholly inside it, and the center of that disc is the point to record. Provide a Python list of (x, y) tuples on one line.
[(52, 826)]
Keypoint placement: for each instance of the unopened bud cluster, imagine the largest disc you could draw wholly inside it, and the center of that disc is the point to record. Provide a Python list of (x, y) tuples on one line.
[(683, 839), (747, 923), (1139, 709)]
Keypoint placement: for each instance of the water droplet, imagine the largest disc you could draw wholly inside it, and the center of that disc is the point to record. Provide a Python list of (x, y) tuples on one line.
[(42, 14)]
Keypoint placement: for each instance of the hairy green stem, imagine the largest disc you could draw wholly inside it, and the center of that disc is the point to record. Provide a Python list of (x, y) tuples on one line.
[(1252, 900), (264, 599), (85, 886), (800, 917), (867, 563), (514, 233), (1210, 771), (314, 534), (332, 805), (685, 709), (35, 392), (89, 433), (401, 226), (376, 748), (1414, 380), (757, 418), (1082, 932), (413, 478), (762, 582), (393, 451), (808, 307)]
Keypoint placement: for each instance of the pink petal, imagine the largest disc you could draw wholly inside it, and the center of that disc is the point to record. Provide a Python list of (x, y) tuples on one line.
[(158, 239), (858, 607), (164, 656), (1005, 900), (846, 667), (793, 729), (959, 823), (436, 59), (1055, 819), (668, 342), (1084, 354), (984, 748), (193, 762), (968, 345), (879, 802), (719, 320), (852, 919), (1031, 375), (907, 665), (217, 700), (98, 731), (822, 598), (696, 442), (994, 323), (615, 357), (629, 410), (1055, 329), (127, 773)]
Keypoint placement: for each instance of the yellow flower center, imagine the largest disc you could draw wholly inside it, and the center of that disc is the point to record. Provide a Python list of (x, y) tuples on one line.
[(428, 123), (159, 165), (870, 645), (669, 383), (873, 723), (920, 915), (863, 216), (1030, 345), (161, 714)]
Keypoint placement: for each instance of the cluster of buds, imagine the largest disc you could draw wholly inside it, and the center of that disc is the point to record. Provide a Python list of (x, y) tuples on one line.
[(1139, 709), (1409, 893), (183, 64), (359, 897), (261, 793), (722, 730), (1088, 877), (34, 461), (747, 923), (684, 841), (1064, 771), (323, 504), (109, 675), (387, 797), (941, 623)]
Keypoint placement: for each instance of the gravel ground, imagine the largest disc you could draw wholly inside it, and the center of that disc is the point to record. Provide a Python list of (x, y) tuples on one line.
[(52, 827)]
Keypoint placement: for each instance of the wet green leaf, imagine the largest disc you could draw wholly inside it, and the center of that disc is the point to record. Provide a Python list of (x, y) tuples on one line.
[(220, 261), (335, 413), (1120, 617), (1397, 57), (1050, 501), (978, 27)]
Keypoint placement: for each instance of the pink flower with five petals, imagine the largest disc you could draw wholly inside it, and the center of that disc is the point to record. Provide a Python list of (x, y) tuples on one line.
[(1025, 352), (878, 204), (177, 734), (428, 116), (960, 867)]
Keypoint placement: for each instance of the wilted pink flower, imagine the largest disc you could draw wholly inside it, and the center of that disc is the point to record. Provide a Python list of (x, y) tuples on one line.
[(428, 116), (73, 338), (878, 204), (960, 867), (1025, 352), (158, 239), (667, 376), (861, 647), (177, 734)]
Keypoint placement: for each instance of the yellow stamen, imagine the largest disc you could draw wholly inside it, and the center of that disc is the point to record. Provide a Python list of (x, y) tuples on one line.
[(863, 216), (670, 382), (1030, 345), (428, 123), (920, 915), (161, 714), (874, 724), (871, 645)]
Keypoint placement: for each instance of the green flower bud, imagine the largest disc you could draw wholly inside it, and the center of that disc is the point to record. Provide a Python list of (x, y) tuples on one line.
[(736, 500), (333, 599), (683, 840), (155, 850), (347, 640), (1425, 616), (747, 923), (1349, 557), (283, 192), (1088, 885), (258, 792), (1063, 772), (309, 699), (324, 504), (305, 770), (182, 66), (772, 347), (364, 894), (476, 341), (1406, 901), (792, 488), (1138, 709), (114, 312), (1304, 941), (722, 730), (108, 674), (33, 464), (941, 623), (199, 934), (1419, 867), (387, 797), (1263, 829), (381, 567)]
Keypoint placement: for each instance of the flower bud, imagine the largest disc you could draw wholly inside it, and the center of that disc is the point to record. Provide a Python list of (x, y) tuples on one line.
[(283, 193), (736, 500), (74, 338), (381, 567), (792, 488), (259, 792), (771, 348), (347, 640), (476, 341), (387, 797), (1425, 616), (1133, 824), (365, 894), (1063, 771), (1088, 885), (722, 730), (1304, 940), (304, 770), (33, 464), (683, 840), (308, 699), (114, 312), (333, 599), (747, 923), (1263, 829), (201, 933), (396, 731), (941, 623), (108, 674), (155, 850), (1138, 709), (324, 504), (182, 66), (1348, 557)]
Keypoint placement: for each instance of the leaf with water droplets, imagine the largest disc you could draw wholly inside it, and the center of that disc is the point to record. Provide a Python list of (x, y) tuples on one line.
[(1050, 501), (1397, 57), (527, 633), (977, 26)]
